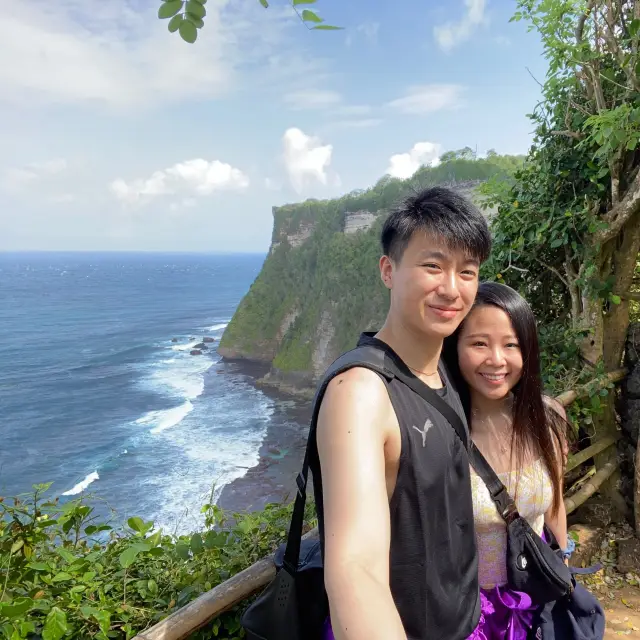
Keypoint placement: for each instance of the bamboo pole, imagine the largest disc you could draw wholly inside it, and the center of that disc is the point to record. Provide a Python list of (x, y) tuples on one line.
[(584, 455), (566, 398), (183, 622), (590, 487)]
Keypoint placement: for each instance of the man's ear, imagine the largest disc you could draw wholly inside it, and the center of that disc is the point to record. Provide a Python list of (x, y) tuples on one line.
[(386, 271)]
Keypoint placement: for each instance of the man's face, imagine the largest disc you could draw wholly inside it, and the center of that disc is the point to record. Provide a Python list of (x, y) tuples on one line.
[(432, 286)]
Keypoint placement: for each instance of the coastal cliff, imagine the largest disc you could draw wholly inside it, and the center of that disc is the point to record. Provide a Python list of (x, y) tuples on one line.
[(319, 286)]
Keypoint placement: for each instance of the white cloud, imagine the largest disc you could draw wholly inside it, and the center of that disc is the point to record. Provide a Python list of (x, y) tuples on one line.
[(312, 99), (198, 176), (18, 177), (117, 52), (404, 165), (368, 29), (306, 158), (451, 34), (428, 98)]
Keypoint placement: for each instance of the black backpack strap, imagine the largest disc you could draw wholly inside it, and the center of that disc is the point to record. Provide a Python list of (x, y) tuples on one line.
[(364, 356)]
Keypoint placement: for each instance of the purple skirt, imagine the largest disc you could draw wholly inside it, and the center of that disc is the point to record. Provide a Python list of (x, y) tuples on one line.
[(505, 614)]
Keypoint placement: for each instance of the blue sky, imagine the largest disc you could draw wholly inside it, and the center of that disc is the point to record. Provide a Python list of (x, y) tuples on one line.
[(119, 136)]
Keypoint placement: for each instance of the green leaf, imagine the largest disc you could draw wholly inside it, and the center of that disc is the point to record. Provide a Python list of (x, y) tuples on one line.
[(196, 543), (188, 31), (67, 556), (182, 550), (39, 566), (264, 3), (128, 556), (137, 524), (615, 299), (103, 618), (62, 576), (16, 546), (152, 585), (197, 22), (310, 16), (174, 23), (297, 3), (634, 27), (169, 9), (16, 608), (55, 626), (196, 9), (326, 27), (556, 243)]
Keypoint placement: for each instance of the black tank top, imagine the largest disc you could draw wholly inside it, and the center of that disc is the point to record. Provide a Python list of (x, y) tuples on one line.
[(433, 556)]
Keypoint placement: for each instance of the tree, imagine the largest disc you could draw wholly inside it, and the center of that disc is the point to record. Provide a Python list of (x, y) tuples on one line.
[(188, 17), (567, 232)]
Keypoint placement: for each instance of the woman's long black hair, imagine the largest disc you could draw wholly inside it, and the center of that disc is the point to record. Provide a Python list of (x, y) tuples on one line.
[(537, 427)]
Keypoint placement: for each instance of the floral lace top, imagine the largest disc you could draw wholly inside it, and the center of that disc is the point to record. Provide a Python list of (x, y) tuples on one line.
[(533, 497)]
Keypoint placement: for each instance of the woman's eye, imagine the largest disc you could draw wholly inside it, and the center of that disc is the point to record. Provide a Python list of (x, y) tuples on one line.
[(513, 345), (478, 344), (431, 265), (470, 273)]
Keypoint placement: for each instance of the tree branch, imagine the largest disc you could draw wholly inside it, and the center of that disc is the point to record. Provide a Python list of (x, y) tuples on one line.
[(617, 217), (630, 295), (582, 20), (569, 134), (553, 270)]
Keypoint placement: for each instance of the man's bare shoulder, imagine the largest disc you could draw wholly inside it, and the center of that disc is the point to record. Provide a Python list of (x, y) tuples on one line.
[(356, 397)]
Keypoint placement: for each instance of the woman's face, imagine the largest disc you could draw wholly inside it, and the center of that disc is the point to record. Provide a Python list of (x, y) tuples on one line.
[(489, 353)]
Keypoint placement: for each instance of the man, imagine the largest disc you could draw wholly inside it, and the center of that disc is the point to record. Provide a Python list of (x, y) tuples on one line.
[(397, 519)]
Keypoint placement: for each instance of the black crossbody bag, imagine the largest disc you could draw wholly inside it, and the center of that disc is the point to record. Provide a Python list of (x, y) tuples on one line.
[(294, 605)]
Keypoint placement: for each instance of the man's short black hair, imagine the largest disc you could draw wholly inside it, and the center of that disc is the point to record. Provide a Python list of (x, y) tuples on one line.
[(442, 213)]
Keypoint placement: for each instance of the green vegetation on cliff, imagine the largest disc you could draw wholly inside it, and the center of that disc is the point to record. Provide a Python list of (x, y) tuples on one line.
[(65, 574), (319, 286)]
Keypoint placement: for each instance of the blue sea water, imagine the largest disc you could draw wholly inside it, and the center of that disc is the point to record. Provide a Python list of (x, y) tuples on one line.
[(94, 394)]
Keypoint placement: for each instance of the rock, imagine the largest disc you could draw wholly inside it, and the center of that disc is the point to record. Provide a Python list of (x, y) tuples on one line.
[(589, 539), (174, 339), (200, 345), (208, 339), (195, 352), (629, 555)]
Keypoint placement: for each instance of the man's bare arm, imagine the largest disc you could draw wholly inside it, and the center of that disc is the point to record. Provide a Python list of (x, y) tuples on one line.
[(353, 426)]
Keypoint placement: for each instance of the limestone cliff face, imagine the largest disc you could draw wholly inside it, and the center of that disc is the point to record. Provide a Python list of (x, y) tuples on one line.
[(319, 286)]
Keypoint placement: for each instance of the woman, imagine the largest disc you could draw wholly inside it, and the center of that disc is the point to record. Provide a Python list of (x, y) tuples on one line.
[(520, 433)]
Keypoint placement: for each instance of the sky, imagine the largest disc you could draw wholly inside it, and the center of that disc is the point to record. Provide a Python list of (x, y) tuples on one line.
[(118, 136)]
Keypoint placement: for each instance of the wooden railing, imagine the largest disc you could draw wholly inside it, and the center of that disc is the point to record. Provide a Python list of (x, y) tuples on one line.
[(210, 605)]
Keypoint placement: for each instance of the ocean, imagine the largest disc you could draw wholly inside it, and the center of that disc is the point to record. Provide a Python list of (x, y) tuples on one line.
[(99, 392)]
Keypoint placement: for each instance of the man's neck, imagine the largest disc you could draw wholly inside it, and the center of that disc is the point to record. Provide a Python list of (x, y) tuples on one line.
[(419, 352)]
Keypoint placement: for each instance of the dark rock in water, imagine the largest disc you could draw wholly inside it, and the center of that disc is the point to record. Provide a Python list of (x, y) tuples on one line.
[(174, 339), (195, 352), (191, 338), (208, 339), (200, 345)]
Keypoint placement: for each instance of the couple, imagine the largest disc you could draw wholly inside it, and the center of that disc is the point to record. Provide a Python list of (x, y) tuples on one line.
[(414, 547)]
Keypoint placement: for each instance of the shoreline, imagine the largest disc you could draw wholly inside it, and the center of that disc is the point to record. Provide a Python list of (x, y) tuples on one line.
[(281, 453)]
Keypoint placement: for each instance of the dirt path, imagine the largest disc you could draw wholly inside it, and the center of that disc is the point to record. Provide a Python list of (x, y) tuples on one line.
[(622, 612)]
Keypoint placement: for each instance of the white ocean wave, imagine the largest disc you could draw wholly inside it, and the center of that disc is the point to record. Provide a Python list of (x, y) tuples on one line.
[(167, 418), (81, 486)]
